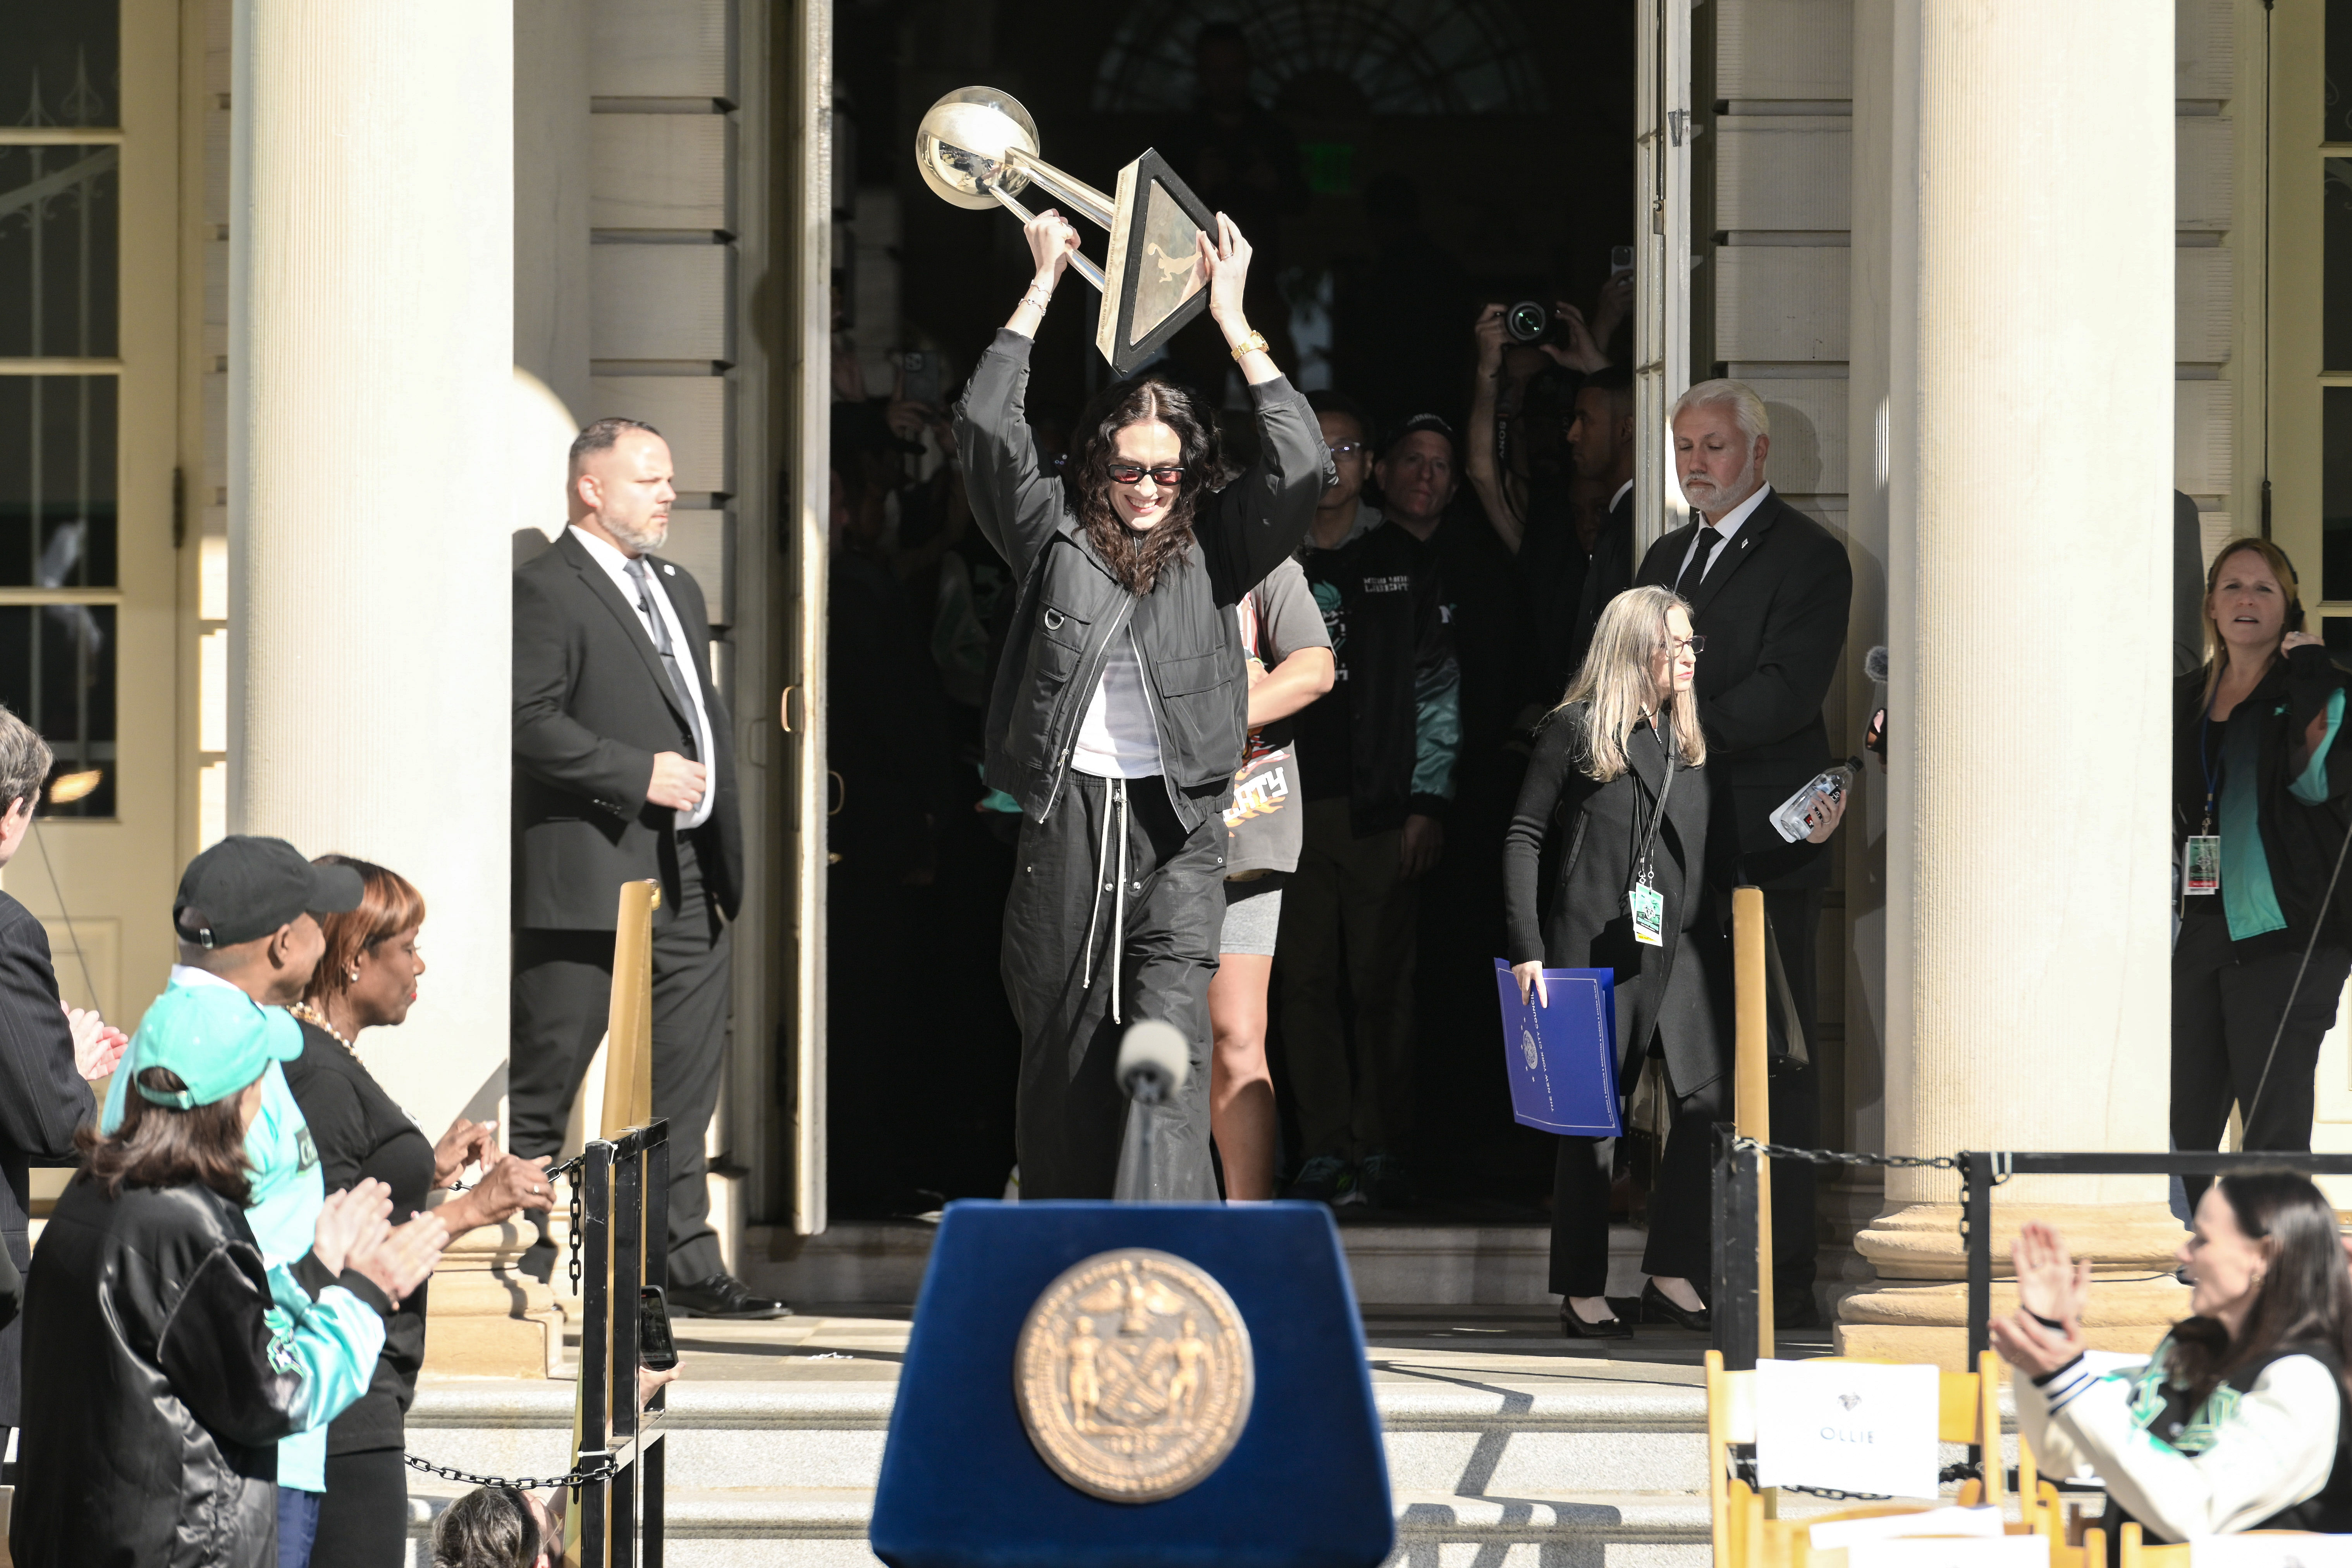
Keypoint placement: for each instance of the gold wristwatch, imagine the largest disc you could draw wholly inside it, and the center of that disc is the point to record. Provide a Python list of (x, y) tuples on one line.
[(1253, 344)]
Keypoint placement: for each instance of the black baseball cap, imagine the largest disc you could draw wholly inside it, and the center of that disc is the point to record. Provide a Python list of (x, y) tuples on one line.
[(1431, 422), (243, 888)]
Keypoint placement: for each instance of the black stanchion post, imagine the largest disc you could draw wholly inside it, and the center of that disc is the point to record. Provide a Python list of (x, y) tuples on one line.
[(1719, 1236), (595, 1348), (1735, 1306), (1976, 1217)]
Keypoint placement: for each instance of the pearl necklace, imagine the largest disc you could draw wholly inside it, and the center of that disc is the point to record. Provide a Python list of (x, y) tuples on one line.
[(311, 1016)]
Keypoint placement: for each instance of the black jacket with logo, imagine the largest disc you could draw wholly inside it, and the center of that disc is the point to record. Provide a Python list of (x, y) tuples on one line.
[(153, 1401), (1187, 635), (1394, 715)]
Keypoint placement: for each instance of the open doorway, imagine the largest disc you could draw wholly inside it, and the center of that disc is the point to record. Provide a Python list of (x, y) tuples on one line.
[(1398, 164)]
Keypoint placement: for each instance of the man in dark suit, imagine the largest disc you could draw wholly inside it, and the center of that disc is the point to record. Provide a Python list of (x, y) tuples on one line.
[(624, 769), (48, 1052), (1601, 434), (1769, 589)]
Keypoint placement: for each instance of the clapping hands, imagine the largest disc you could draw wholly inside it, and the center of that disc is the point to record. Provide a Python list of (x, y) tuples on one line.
[(2051, 1289), (355, 1232), (98, 1044)]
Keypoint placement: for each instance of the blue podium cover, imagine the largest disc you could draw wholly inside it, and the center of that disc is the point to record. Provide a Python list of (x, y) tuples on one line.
[(1563, 1059), (1305, 1486)]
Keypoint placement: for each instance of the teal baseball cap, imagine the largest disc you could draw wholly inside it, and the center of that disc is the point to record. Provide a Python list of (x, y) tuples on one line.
[(215, 1038)]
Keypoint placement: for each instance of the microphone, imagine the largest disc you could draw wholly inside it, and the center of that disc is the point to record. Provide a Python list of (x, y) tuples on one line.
[(1874, 664), (1153, 1062)]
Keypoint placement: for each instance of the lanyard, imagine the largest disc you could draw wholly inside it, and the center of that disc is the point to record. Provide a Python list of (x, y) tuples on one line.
[(1650, 840), (2212, 770)]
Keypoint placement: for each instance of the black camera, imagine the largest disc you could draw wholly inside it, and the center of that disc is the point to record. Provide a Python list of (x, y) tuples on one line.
[(1529, 321)]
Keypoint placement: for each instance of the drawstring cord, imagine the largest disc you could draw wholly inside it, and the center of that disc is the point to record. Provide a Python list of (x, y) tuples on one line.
[(1115, 806)]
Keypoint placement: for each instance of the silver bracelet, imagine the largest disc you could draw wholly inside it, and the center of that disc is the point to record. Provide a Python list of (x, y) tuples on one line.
[(1038, 296)]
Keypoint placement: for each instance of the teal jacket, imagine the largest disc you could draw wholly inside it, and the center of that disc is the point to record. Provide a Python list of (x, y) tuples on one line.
[(2279, 772)]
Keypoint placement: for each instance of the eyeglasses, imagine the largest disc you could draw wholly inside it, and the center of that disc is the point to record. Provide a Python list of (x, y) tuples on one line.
[(1676, 645), (1129, 474), (1347, 448)]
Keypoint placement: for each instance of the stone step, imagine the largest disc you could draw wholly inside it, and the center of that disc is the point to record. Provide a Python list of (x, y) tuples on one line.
[(1444, 1439), (819, 1527), (1426, 1262)]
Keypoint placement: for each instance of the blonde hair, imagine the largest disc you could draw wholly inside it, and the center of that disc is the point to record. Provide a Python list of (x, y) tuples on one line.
[(2289, 584), (1616, 684)]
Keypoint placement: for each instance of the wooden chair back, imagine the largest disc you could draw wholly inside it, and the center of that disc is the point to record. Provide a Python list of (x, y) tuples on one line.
[(1746, 1531)]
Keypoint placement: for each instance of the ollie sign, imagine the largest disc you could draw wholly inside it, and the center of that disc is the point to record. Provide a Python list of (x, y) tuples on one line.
[(1847, 1424)]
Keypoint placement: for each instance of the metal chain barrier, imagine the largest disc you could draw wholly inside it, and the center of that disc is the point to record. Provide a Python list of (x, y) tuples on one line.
[(1966, 1471), (1881, 1162), (605, 1468)]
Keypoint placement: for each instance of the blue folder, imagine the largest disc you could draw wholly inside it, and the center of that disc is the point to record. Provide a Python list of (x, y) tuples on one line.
[(1306, 1487), (1563, 1059)]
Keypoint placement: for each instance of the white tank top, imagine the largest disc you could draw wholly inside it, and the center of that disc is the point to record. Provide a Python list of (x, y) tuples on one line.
[(1116, 740)]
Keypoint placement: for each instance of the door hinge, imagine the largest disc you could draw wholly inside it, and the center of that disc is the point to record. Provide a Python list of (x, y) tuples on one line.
[(179, 508)]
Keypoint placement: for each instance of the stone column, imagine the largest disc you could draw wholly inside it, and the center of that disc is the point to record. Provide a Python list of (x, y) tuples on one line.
[(2029, 461), (371, 338)]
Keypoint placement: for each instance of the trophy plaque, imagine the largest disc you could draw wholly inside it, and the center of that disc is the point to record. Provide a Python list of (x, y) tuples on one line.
[(977, 147)]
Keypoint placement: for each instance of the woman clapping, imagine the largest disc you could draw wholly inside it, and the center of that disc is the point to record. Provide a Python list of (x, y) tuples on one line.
[(2236, 1420)]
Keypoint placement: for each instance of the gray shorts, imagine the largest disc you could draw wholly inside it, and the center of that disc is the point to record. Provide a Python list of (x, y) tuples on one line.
[(1253, 911)]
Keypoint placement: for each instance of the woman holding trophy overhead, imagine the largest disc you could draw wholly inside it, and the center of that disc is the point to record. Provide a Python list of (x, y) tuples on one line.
[(1118, 711)]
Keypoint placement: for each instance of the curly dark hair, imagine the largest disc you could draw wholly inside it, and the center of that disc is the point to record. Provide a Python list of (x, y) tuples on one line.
[(1137, 558)]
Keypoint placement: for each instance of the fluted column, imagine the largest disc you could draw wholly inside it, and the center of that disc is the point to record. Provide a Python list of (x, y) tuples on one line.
[(2028, 443), (371, 338)]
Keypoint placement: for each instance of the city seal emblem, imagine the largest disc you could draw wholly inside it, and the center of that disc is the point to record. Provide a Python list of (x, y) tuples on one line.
[(1134, 1375)]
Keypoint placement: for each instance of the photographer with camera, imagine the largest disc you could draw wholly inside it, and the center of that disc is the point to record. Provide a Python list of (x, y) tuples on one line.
[(1532, 447)]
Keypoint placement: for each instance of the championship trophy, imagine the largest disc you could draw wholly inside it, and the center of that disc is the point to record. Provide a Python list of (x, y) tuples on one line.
[(977, 148)]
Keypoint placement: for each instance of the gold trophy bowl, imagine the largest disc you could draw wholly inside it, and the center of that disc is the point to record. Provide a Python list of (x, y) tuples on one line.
[(977, 147)]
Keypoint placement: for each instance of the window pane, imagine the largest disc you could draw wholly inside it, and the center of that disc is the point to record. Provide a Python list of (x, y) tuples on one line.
[(56, 482), (2339, 72), (2336, 265), (59, 222), (2335, 492), (57, 673), (63, 64)]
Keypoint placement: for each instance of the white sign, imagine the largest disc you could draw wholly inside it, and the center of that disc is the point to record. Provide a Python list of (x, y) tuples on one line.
[(1918, 1521), (2000, 1552), (2271, 1551), (1848, 1425)]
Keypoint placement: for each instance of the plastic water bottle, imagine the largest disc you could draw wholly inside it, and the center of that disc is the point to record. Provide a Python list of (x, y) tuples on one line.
[(1799, 815)]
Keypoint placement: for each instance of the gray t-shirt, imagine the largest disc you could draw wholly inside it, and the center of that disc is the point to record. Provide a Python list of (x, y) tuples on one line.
[(1263, 829)]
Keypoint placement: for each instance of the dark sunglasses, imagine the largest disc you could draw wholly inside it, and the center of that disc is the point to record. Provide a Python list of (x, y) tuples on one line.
[(1347, 448), (1129, 474)]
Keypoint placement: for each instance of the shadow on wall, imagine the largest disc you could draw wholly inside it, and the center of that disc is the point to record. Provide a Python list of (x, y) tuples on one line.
[(1795, 466)]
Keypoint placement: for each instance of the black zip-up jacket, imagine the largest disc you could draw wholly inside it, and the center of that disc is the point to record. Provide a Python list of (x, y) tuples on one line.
[(2298, 810), (1397, 676), (1187, 635), (153, 1402)]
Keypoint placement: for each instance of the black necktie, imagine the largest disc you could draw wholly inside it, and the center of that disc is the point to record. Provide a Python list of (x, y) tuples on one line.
[(643, 575), (1695, 573)]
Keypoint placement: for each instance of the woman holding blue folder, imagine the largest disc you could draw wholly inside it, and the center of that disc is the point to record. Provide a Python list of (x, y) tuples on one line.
[(1616, 767)]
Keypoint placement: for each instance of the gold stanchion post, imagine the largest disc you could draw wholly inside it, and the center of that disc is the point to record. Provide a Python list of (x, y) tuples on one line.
[(1751, 1082)]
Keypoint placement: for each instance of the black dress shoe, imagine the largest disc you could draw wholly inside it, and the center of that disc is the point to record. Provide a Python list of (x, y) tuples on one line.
[(722, 1296), (1657, 1309), (1576, 1328)]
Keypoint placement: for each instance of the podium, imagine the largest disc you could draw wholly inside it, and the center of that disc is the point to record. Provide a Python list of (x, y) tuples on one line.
[(1160, 1335)]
